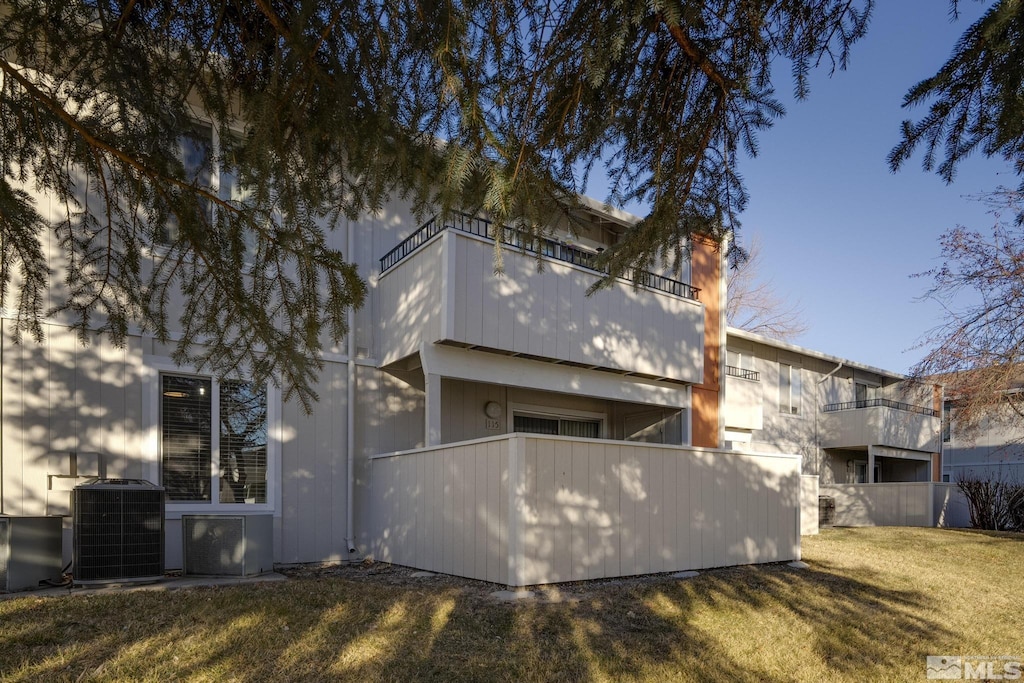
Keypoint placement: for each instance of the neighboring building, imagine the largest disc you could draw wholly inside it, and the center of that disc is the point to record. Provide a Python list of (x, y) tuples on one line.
[(994, 450), (852, 423)]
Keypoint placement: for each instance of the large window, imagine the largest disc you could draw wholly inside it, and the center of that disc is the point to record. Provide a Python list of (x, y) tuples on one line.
[(789, 389), (213, 440)]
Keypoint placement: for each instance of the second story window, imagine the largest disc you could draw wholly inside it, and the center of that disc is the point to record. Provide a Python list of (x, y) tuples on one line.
[(196, 153), (200, 150), (790, 388), (739, 359)]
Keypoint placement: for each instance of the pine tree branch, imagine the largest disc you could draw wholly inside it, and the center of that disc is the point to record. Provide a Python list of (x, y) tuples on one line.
[(275, 21), (695, 55)]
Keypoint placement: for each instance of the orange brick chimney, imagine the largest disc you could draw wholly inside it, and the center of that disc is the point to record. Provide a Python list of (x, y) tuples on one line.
[(706, 274)]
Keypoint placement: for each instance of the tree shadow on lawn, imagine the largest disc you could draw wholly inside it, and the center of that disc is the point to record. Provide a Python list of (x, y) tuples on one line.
[(743, 624)]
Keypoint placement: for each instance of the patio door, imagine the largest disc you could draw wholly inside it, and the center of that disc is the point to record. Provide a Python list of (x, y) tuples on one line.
[(556, 425)]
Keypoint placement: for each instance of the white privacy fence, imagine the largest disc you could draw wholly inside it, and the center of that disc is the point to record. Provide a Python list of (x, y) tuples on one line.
[(524, 509), (927, 504)]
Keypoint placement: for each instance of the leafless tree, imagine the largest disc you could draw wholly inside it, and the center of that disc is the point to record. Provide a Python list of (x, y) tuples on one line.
[(978, 352), (753, 303)]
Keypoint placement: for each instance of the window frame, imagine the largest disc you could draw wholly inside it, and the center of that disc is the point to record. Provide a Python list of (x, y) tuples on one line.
[(154, 368), (219, 173)]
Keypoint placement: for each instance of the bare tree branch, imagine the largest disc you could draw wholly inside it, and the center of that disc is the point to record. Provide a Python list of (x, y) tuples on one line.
[(754, 305)]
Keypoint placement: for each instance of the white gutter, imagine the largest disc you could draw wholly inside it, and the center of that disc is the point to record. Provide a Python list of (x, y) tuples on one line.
[(350, 404)]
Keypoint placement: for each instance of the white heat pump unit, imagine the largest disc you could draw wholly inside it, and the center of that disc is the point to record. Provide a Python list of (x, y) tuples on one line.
[(227, 545), (30, 551)]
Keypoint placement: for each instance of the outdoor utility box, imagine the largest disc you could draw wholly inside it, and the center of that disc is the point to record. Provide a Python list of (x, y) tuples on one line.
[(826, 511), (30, 551), (118, 531), (227, 545)]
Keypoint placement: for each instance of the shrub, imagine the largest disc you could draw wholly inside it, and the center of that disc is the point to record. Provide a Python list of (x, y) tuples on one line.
[(995, 504)]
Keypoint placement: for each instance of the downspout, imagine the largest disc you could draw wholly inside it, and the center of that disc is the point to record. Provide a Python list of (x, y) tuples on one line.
[(1, 410), (350, 404), (817, 397), (723, 336), (834, 371)]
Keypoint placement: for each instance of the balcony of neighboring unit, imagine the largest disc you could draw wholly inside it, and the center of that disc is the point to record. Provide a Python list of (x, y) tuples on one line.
[(880, 422), (744, 399), (440, 286)]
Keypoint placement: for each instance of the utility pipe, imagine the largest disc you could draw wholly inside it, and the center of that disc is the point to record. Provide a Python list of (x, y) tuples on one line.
[(350, 385), (817, 399)]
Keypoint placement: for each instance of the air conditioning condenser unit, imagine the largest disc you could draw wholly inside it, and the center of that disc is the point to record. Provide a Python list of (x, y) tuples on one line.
[(227, 545)]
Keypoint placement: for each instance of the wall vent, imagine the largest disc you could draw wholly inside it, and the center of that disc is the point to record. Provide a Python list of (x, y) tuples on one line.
[(227, 545), (30, 551), (118, 531)]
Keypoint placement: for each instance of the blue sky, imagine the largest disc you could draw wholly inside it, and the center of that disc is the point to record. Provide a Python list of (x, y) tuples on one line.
[(842, 234)]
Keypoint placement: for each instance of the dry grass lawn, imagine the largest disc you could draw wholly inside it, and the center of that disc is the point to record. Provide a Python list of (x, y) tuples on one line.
[(872, 605)]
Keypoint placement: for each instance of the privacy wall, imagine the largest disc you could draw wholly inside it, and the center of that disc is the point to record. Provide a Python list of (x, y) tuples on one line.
[(525, 509)]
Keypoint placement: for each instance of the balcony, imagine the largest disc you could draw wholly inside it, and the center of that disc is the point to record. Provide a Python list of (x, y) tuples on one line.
[(880, 422), (744, 399), (520, 240), (439, 286), (752, 375)]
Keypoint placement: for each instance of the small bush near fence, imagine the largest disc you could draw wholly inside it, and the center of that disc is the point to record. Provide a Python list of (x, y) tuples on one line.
[(995, 504)]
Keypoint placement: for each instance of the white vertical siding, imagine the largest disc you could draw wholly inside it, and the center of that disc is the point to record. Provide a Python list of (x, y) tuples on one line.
[(586, 508), (60, 397), (314, 475), (432, 295), (409, 297), (389, 416), (547, 313), (808, 504), (949, 507), (744, 403), (880, 425), (431, 512)]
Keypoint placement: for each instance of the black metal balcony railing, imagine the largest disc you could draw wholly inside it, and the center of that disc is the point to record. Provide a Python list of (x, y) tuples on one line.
[(734, 371), (880, 402), (481, 227)]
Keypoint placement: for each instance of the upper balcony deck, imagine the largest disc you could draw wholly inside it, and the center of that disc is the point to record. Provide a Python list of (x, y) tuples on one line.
[(439, 286), (880, 422)]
